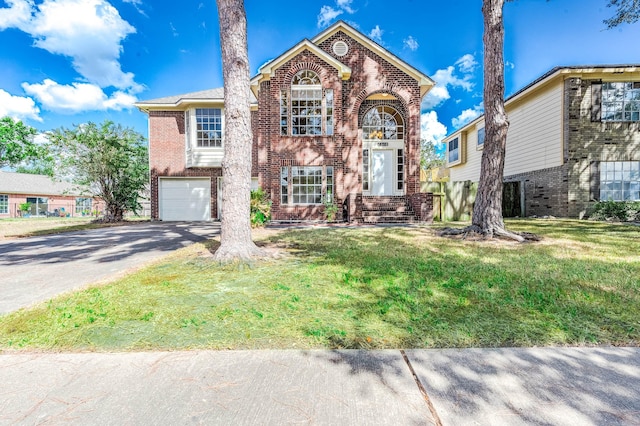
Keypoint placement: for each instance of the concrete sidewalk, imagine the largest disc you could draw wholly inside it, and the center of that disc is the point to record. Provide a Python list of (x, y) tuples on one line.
[(568, 386)]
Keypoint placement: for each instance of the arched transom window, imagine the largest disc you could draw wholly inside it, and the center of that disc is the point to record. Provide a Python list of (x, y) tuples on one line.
[(383, 122), (308, 100)]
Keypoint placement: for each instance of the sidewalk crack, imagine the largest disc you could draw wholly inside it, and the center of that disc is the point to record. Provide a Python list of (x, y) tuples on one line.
[(422, 389)]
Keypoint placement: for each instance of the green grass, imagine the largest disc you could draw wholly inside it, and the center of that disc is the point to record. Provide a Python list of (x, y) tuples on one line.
[(362, 288)]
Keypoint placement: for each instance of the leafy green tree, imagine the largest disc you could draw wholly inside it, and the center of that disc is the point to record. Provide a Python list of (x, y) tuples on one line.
[(16, 142), (429, 157), (44, 165), (109, 159)]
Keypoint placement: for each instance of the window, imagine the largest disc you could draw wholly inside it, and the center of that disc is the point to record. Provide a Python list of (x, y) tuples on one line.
[(284, 185), (481, 137), (39, 206), (328, 97), (83, 205), (208, 127), (284, 112), (365, 170), (620, 180), (400, 171), (4, 204), (383, 122), (453, 151), (307, 109), (621, 101), (305, 185)]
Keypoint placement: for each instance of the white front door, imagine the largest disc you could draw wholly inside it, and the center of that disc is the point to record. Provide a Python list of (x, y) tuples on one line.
[(382, 168)]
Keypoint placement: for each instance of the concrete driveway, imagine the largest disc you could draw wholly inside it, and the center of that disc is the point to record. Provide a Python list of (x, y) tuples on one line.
[(36, 269)]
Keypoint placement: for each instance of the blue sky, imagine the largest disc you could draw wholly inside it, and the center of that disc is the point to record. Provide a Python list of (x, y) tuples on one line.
[(65, 62)]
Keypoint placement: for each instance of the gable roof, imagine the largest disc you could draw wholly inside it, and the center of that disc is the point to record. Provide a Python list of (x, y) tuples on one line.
[(559, 73), (28, 184), (265, 72), (425, 82), (179, 101)]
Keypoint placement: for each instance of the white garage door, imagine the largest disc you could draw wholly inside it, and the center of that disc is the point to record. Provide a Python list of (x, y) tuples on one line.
[(185, 199)]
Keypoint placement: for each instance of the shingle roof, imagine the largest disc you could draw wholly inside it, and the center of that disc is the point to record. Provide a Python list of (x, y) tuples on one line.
[(24, 183), (210, 94)]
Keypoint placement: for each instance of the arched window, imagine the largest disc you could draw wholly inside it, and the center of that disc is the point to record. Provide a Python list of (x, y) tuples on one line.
[(306, 111), (383, 122)]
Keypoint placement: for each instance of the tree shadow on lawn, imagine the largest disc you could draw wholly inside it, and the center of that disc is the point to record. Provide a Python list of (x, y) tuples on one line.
[(442, 293)]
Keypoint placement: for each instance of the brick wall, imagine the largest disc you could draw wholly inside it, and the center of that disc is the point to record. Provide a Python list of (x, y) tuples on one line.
[(167, 156), (370, 74), (588, 142), (545, 191)]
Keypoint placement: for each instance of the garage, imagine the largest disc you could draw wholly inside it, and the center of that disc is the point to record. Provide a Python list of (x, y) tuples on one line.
[(185, 199)]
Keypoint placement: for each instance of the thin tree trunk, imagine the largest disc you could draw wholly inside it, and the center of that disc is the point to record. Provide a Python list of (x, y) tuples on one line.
[(487, 211), (235, 237)]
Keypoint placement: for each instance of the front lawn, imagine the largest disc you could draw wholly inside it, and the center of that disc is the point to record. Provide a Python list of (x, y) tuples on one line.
[(362, 288)]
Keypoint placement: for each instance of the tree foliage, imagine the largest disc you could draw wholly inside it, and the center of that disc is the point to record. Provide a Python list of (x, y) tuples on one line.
[(109, 159), (627, 12), (43, 165), (16, 142), (429, 157)]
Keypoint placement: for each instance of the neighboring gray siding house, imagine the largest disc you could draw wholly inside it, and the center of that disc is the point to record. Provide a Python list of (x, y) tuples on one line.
[(574, 139)]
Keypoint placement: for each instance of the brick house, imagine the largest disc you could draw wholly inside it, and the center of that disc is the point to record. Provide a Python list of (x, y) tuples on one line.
[(335, 118), (573, 139), (45, 196)]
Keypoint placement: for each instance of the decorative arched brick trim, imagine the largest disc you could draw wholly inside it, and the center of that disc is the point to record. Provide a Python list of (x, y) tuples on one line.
[(301, 66), (367, 105)]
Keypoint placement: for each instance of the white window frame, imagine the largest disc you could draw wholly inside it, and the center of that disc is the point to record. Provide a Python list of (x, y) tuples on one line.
[(457, 150), (288, 185), (191, 129), (4, 204), (81, 205), (291, 107), (619, 181), (621, 101)]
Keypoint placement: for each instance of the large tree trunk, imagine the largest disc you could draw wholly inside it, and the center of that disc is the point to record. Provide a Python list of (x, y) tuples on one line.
[(487, 211), (235, 237)]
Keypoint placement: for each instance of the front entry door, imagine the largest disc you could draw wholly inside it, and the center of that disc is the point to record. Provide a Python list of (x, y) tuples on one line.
[(382, 173)]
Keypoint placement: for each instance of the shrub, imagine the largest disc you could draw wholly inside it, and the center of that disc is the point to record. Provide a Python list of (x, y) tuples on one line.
[(616, 210), (330, 210), (260, 208)]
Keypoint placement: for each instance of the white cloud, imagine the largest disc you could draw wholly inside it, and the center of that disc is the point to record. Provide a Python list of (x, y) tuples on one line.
[(411, 43), (137, 4), (450, 77), (173, 30), (376, 34), (345, 5), (90, 32), (77, 97), (467, 115), (327, 15), (509, 64), (18, 107), (431, 129), (16, 15), (467, 64)]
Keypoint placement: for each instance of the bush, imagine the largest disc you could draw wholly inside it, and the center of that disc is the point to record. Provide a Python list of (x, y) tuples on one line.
[(622, 211), (330, 210), (260, 208)]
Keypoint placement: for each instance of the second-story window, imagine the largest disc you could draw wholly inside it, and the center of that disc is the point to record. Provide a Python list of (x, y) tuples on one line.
[(621, 101), (208, 127), (307, 110)]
